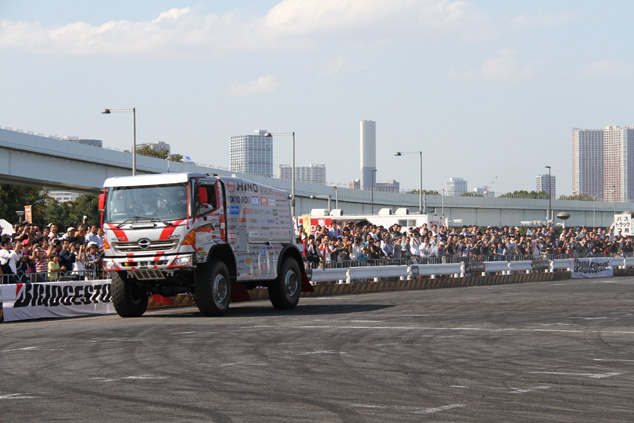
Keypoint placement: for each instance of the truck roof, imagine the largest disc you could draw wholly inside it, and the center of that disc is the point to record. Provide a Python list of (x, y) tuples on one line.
[(151, 179)]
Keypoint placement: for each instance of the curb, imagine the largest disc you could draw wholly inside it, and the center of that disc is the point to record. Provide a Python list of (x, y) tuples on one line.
[(331, 289)]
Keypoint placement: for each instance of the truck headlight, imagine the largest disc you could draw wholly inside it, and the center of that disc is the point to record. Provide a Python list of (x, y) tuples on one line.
[(110, 265), (182, 261)]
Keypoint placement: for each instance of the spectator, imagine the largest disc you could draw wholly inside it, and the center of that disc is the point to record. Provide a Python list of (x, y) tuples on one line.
[(9, 260), (94, 236)]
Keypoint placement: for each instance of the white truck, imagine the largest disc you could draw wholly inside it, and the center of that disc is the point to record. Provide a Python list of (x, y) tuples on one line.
[(215, 237)]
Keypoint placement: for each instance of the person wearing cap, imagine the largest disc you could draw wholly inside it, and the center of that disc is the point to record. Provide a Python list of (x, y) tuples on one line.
[(93, 258), (69, 235)]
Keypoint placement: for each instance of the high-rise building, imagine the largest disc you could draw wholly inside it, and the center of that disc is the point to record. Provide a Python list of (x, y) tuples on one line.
[(603, 163), (368, 152), (455, 187), (252, 154), (311, 174), (541, 184)]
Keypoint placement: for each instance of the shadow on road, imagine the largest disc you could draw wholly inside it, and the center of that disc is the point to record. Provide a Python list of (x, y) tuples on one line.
[(268, 310)]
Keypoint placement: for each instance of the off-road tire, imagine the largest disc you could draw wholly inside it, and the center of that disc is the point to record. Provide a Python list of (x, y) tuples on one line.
[(213, 288), (128, 298), (284, 291)]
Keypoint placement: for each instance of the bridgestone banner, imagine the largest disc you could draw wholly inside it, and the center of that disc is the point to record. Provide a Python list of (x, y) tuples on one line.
[(595, 267), (55, 299)]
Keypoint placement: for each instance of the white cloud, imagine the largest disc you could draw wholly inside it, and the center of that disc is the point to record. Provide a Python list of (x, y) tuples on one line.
[(260, 86), (608, 67), (340, 64), (505, 65), (300, 24), (526, 21)]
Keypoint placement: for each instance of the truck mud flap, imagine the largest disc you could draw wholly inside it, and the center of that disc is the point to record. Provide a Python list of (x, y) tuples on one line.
[(239, 293), (306, 286)]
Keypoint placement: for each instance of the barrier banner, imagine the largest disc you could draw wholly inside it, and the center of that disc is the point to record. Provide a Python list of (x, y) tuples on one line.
[(55, 299), (594, 267)]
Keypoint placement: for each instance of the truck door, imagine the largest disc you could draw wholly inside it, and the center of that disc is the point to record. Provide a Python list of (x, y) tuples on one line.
[(209, 207)]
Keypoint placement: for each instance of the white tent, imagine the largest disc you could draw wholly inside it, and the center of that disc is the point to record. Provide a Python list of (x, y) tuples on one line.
[(7, 228)]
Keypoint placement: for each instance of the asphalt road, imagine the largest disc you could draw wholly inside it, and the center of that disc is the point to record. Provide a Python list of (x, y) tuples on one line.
[(548, 351)]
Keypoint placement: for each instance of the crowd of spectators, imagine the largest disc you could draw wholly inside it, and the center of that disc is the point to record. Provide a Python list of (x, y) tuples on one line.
[(351, 244), (34, 254)]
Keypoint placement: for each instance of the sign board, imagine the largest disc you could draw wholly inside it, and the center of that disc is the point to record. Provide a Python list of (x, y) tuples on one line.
[(28, 217), (623, 224)]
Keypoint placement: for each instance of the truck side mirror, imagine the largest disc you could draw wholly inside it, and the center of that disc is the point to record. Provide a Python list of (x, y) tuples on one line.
[(102, 201)]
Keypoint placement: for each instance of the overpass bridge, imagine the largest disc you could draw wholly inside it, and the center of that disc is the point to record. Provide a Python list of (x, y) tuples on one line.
[(29, 159)]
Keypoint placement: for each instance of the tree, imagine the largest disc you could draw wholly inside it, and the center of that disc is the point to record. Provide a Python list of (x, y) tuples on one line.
[(146, 150), (426, 192), (578, 197), (526, 194), (14, 197), (471, 194)]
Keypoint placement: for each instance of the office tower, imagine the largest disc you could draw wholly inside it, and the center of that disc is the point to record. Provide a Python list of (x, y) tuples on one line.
[(541, 184), (603, 163), (455, 187), (252, 154), (311, 174)]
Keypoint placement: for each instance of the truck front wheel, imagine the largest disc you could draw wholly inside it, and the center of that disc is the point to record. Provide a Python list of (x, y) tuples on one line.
[(285, 290), (128, 298), (213, 288)]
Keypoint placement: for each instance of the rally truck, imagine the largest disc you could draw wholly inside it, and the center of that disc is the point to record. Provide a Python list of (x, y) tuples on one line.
[(212, 236)]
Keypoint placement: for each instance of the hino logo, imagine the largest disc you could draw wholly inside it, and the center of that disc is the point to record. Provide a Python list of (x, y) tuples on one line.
[(144, 243)]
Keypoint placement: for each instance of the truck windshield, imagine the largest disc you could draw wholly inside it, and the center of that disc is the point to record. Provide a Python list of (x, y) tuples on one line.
[(147, 203)]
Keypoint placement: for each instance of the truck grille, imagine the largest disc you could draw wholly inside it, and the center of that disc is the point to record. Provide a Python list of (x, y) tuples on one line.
[(133, 247)]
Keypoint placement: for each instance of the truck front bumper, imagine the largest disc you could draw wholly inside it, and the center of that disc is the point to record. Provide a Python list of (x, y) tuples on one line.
[(163, 263)]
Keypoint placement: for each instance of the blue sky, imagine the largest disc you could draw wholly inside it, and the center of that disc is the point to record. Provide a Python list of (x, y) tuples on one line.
[(489, 90)]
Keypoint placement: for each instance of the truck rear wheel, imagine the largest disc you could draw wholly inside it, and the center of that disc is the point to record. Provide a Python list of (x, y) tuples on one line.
[(285, 290), (213, 288), (128, 298)]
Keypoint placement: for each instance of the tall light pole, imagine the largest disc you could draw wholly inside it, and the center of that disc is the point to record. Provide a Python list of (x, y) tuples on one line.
[(336, 188), (594, 211), (133, 110), (420, 191), (550, 210), (292, 134), (373, 172)]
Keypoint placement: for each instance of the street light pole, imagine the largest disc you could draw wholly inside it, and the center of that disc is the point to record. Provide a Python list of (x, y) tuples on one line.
[(336, 188), (550, 210), (133, 110), (420, 191), (373, 172), (292, 134)]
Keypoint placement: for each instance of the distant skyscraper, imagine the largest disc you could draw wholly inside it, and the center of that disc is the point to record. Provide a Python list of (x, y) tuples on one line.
[(252, 154), (455, 187), (541, 184), (311, 174), (603, 163), (368, 153)]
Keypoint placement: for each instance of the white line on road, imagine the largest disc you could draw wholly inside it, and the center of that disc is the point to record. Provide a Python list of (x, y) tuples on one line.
[(614, 359), (15, 396), (528, 390), (462, 329), (590, 375), (415, 410)]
